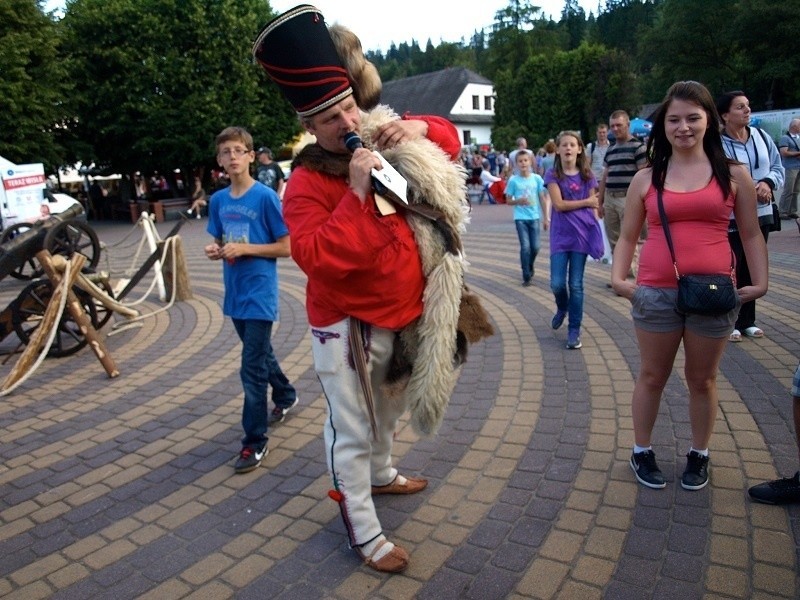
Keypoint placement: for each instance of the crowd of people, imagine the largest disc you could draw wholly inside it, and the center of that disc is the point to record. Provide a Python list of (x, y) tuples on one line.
[(702, 179)]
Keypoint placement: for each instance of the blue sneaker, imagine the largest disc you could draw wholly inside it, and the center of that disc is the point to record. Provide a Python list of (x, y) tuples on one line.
[(573, 340), (558, 319)]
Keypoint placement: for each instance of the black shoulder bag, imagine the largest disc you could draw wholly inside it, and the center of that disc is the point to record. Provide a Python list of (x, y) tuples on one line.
[(710, 295)]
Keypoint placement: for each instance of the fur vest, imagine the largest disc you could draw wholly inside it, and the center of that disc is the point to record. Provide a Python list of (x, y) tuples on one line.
[(429, 351)]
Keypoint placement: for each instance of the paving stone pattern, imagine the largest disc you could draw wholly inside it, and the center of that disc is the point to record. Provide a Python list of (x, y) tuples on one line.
[(124, 488)]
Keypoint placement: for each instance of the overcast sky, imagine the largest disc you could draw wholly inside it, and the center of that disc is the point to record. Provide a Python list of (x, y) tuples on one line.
[(387, 21)]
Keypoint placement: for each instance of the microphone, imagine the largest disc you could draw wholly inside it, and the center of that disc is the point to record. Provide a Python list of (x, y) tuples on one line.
[(353, 141), (385, 181)]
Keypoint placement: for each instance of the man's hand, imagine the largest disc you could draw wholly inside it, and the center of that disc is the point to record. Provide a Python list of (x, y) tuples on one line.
[(397, 132), (361, 166)]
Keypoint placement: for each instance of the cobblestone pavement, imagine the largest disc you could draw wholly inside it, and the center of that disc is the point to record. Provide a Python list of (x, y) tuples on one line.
[(124, 488)]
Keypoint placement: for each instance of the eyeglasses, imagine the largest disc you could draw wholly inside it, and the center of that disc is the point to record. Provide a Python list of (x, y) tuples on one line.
[(237, 152)]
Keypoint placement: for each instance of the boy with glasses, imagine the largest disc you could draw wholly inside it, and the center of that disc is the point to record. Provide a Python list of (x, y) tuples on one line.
[(246, 223)]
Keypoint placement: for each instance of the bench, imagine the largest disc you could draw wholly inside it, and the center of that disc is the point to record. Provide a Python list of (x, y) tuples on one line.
[(132, 210), (160, 208)]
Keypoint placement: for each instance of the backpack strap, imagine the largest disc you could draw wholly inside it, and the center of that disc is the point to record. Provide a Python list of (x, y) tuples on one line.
[(763, 136), (766, 143)]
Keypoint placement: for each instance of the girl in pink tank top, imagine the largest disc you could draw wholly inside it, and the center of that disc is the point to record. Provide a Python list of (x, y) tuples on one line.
[(700, 187)]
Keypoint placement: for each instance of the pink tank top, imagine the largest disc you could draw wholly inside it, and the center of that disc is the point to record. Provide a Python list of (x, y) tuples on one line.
[(698, 222)]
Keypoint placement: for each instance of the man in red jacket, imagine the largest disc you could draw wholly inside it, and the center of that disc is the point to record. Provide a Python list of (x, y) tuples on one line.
[(366, 272)]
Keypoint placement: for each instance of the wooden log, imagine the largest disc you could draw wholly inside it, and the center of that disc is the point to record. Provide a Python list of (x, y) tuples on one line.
[(177, 272), (6, 324), (99, 294), (79, 315), (50, 319)]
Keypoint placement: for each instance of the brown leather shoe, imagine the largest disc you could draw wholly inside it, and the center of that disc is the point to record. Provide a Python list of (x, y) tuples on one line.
[(393, 562), (411, 486)]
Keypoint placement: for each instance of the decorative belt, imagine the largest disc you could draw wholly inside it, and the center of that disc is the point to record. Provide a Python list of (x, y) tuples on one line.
[(360, 364), (616, 193)]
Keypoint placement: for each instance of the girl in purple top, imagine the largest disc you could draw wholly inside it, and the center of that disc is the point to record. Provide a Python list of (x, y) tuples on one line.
[(574, 230)]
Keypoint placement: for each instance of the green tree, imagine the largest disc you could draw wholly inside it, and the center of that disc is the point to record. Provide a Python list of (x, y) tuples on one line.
[(477, 49), (702, 44), (509, 44), (401, 61), (564, 90), (767, 31), (573, 19), (447, 55), (517, 15), (34, 85), (165, 76), (748, 45), (623, 23)]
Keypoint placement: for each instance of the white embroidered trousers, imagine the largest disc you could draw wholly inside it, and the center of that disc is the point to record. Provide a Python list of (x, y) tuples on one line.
[(356, 459)]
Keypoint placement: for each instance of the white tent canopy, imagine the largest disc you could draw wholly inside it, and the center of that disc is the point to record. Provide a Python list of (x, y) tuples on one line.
[(73, 175)]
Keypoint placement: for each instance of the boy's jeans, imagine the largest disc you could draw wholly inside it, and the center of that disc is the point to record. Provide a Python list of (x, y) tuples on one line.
[(528, 233), (259, 368)]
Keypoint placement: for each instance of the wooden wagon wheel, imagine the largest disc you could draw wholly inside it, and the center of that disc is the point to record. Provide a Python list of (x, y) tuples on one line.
[(65, 239), (28, 309), (74, 236), (63, 300)]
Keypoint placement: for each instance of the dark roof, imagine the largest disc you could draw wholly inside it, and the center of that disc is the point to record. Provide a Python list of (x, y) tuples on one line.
[(484, 119), (648, 111), (430, 93)]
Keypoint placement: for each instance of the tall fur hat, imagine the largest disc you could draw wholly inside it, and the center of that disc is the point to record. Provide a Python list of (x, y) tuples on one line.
[(316, 66)]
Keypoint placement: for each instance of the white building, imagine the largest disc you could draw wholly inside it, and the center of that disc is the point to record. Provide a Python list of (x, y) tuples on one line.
[(458, 94)]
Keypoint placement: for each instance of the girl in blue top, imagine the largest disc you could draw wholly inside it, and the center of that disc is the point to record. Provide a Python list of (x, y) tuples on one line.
[(575, 233), (527, 194)]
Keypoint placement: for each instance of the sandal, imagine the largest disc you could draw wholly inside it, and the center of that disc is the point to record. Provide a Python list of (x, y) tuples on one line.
[(394, 561), (754, 332), (736, 336)]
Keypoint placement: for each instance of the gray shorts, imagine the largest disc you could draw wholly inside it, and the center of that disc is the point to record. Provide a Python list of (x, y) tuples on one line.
[(655, 309)]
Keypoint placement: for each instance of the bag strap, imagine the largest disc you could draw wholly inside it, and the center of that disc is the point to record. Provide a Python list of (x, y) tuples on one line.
[(766, 143), (763, 136), (665, 225), (792, 140)]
